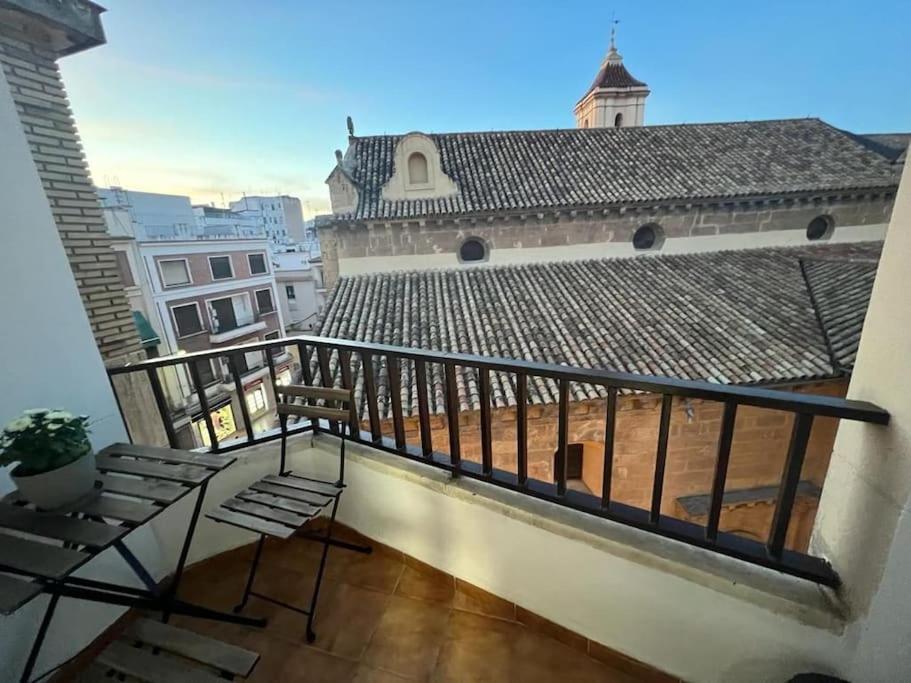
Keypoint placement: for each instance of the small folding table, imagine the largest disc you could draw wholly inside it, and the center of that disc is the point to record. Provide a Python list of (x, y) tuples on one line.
[(40, 550)]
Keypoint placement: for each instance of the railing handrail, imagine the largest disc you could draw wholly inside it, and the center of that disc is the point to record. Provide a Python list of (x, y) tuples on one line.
[(814, 404)]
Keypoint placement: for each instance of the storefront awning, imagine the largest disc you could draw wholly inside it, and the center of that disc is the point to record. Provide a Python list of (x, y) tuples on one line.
[(146, 334)]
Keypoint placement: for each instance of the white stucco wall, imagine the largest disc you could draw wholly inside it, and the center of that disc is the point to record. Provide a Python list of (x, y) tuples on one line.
[(50, 360)]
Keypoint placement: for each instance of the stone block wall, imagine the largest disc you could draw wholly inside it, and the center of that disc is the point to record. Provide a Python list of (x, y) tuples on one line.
[(355, 240), (31, 70), (761, 439)]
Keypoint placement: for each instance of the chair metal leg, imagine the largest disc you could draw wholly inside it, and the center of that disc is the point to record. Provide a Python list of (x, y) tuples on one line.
[(252, 575), (311, 636)]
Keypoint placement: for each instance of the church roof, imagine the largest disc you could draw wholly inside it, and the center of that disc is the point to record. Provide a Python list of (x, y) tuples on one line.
[(731, 317), (600, 167), (614, 75)]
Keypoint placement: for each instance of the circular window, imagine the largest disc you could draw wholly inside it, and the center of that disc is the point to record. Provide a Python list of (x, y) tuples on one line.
[(820, 228), (647, 237), (472, 249)]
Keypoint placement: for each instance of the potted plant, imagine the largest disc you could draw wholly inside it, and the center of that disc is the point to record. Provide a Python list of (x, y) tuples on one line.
[(55, 463)]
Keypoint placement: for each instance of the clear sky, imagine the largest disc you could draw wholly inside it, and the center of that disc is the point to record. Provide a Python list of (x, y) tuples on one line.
[(216, 98)]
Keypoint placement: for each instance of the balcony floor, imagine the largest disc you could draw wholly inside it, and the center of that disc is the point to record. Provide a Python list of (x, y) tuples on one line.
[(384, 617)]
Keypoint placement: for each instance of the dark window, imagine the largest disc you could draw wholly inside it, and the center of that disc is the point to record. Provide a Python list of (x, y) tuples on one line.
[(574, 461), (206, 375), (225, 320), (290, 293), (646, 237), (257, 263), (819, 228), (221, 267), (618, 121), (472, 250), (275, 351), (186, 318), (264, 301), (123, 265)]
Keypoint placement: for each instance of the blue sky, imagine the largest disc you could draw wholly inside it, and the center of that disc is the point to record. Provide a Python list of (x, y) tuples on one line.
[(215, 99)]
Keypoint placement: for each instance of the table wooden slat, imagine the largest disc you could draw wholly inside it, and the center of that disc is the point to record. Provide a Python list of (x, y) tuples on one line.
[(147, 489), (214, 653), (265, 512), (171, 455), (251, 523), (39, 559), (278, 502), (132, 511), (152, 668), (185, 474), (293, 494), (15, 592), (59, 527)]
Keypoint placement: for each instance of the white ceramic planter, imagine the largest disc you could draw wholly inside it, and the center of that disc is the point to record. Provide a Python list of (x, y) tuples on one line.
[(57, 488)]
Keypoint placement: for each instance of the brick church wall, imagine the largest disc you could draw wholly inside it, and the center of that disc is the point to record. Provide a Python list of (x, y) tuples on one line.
[(761, 438)]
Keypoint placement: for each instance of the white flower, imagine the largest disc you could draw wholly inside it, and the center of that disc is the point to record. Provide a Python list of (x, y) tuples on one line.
[(19, 424), (36, 411), (59, 415), (53, 427)]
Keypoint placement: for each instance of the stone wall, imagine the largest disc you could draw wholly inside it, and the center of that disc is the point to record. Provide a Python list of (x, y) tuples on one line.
[(31, 70), (760, 444), (353, 240)]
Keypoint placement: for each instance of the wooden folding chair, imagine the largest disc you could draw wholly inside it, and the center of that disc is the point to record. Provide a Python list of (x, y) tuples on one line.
[(279, 505)]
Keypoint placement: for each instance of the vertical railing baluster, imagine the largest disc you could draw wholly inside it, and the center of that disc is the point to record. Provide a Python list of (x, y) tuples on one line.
[(452, 416), (344, 364), (610, 425), (725, 439), (123, 417), (325, 373), (790, 478), (162, 405), (370, 390), (661, 458), (420, 374), (306, 376), (522, 428), (193, 367), (486, 445), (562, 439), (393, 370), (233, 367)]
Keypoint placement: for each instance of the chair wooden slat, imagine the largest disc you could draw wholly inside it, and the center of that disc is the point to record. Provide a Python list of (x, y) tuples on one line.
[(171, 455), (147, 489), (214, 653), (153, 668), (303, 484), (251, 523), (38, 559), (325, 393), (15, 592), (280, 503), (294, 494), (132, 511), (265, 512), (186, 474), (59, 527), (318, 412)]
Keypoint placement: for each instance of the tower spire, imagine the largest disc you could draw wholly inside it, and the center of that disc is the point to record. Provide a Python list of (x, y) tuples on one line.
[(612, 55)]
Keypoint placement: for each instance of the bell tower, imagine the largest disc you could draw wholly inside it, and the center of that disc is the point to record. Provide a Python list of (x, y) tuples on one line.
[(615, 99)]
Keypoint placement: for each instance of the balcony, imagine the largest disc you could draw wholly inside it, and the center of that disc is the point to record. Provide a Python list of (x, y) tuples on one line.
[(243, 327)]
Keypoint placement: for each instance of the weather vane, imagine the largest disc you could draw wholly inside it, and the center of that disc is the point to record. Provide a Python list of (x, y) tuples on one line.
[(613, 30)]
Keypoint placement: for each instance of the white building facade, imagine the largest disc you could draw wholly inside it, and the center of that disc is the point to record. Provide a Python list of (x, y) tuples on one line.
[(281, 216)]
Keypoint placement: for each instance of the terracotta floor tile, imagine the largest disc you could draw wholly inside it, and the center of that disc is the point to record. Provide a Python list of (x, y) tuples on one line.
[(366, 674), (408, 638), (305, 664), (469, 598), (376, 571), (424, 582), (550, 629), (477, 648), (541, 658), (346, 619)]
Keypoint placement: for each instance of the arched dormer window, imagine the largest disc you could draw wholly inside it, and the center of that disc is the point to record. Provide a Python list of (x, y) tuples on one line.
[(618, 120), (417, 169)]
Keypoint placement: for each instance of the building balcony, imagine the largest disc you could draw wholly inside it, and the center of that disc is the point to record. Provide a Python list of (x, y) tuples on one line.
[(226, 333)]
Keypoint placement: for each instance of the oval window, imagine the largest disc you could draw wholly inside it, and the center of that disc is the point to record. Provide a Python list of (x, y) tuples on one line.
[(820, 228), (648, 237), (472, 249)]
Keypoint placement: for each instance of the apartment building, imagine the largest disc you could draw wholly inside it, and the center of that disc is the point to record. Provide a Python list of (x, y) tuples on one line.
[(195, 287), (301, 290), (281, 216)]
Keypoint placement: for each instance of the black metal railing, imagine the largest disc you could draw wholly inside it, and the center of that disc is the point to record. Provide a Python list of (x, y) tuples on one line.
[(329, 362)]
